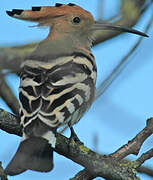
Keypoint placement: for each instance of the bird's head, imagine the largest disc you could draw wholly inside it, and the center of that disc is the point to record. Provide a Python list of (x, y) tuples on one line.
[(66, 20), (63, 19)]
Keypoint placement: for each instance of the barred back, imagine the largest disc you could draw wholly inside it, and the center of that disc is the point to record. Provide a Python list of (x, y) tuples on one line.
[(55, 93)]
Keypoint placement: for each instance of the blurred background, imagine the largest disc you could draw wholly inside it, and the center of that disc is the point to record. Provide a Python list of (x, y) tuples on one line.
[(118, 114)]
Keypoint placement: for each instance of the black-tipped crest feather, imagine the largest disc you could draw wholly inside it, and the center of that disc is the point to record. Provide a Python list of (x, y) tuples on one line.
[(15, 12), (36, 8), (58, 4)]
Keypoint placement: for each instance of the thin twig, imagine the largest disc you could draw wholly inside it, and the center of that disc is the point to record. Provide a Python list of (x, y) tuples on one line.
[(7, 95), (133, 146), (2, 174), (145, 156), (145, 170)]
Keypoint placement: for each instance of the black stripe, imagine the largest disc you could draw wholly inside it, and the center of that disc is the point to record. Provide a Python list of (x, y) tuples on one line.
[(25, 102), (84, 68), (58, 102), (26, 119), (50, 117), (25, 75), (45, 92), (79, 54), (35, 104), (29, 90), (38, 79), (33, 70), (50, 71), (44, 106), (60, 89), (21, 113), (89, 81), (69, 69), (75, 103), (38, 89), (92, 55), (66, 112)]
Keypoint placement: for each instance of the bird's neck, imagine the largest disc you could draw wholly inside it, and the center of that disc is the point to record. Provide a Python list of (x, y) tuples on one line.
[(75, 39), (62, 45)]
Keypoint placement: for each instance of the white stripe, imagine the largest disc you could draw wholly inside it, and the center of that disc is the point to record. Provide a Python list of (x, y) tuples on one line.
[(79, 98), (29, 82), (30, 120), (70, 106), (50, 136), (60, 116), (47, 122), (25, 93), (52, 97), (94, 76), (85, 88), (83, 60), (70, 79), (49, 65)]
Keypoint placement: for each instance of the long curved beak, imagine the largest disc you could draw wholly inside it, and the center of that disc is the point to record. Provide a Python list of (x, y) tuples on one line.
[(106, 26)]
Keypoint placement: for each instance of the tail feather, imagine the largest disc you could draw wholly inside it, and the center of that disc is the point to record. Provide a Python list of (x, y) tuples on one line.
[(34, 153)]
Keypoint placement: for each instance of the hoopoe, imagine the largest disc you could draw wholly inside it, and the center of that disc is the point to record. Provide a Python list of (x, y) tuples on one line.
[(57, 81)]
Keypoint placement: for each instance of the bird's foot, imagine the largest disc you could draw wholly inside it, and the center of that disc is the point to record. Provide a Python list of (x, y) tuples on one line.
[(74, 138)]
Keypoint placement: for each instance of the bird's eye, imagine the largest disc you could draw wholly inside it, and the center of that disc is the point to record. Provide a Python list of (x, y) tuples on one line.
[(76, 20)]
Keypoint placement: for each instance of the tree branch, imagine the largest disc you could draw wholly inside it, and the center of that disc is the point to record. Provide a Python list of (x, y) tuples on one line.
[(83, 175), (133, 146), (145, 156), (145, 170), (2, 175), (7, 95), (98, 165)]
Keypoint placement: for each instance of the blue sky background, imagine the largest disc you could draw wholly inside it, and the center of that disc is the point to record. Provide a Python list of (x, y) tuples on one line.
[(118, 114)]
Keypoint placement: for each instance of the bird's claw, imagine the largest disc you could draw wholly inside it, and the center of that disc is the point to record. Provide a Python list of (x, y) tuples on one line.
[(74, 138)]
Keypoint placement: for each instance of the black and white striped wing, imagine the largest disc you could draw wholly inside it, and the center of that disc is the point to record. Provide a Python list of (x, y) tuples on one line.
[(55, 94)]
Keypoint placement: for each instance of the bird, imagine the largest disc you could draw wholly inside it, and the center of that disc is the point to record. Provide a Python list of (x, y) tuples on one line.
[(57, 81)]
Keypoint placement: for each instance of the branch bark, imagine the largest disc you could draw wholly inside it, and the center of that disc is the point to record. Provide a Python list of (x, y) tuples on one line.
[(98, 165), (133, 146), (2, 175), (7, 95)]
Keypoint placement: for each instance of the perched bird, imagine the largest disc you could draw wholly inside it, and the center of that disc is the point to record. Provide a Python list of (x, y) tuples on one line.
[(57, 81)]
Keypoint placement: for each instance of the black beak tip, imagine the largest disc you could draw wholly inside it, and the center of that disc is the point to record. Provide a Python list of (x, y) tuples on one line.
[(146, 35)]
